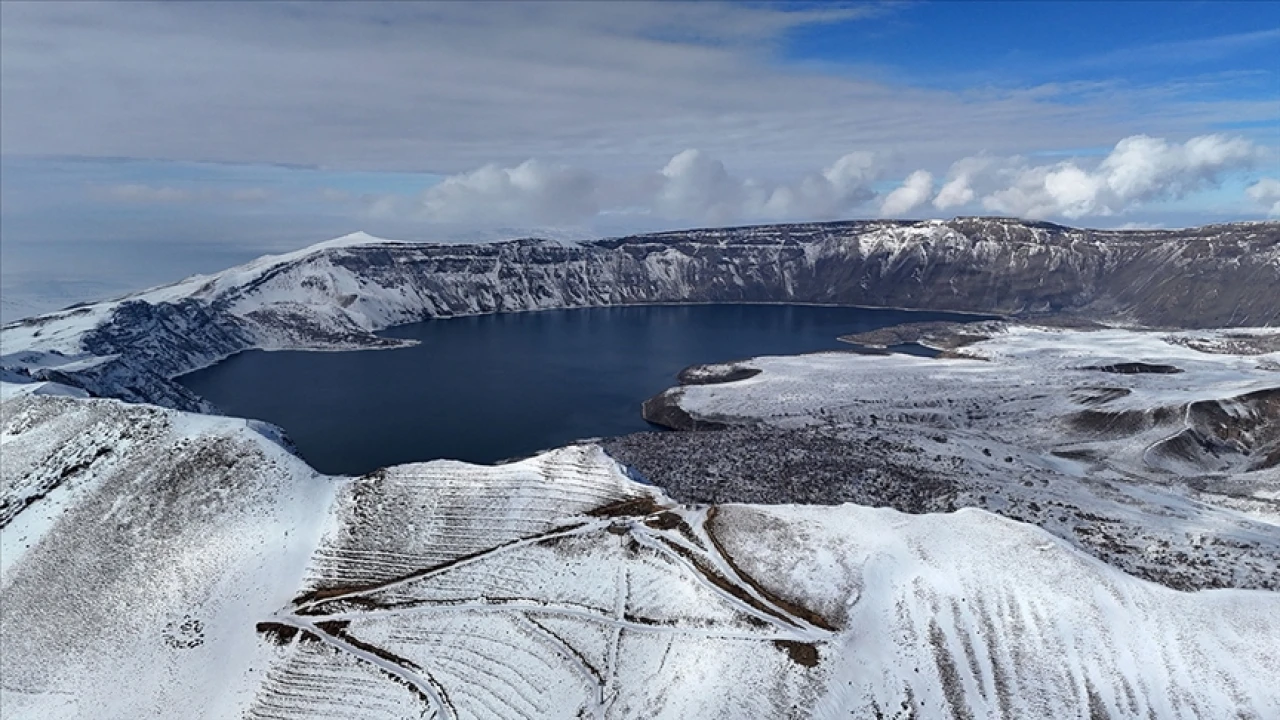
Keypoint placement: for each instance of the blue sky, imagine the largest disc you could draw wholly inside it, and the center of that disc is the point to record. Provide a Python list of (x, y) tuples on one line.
[(960, 45), (143, 142)]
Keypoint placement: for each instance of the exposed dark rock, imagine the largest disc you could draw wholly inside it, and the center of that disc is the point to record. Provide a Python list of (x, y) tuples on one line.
[(1232, 344), (173, 337), (664, 410), (826, 466), (1098, 395), (714, 374), (1120, 423), (771, 465), (1225, 436), (946, 335), (1136, 368)]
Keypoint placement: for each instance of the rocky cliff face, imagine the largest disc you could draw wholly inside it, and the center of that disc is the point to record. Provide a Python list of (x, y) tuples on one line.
[(335, 295)]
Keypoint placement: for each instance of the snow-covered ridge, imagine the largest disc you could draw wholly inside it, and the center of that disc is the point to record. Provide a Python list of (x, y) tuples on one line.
[(336, 294), (196, 569)]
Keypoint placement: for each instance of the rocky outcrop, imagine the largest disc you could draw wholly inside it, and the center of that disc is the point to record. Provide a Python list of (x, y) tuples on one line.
[(1227, 436), (664, 410)]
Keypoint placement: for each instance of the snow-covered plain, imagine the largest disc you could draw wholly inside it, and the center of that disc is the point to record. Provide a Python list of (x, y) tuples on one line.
[(1173, 476), (1041, 388), (196, 569)]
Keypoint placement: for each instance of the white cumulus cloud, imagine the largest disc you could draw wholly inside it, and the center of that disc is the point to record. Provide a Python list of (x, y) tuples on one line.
[(694, 187), (1266, 192), (959, 189), (1139, 169), (532, 191), (697, 187), (914, 192), (1143, 168)]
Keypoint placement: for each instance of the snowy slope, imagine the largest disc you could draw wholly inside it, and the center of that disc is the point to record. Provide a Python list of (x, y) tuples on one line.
[(1174, 476), (334, 295), (198, 570), (138, 547), (1041, 388)]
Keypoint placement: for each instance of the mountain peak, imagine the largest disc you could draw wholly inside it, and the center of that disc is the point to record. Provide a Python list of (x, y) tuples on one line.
[(358, 237)]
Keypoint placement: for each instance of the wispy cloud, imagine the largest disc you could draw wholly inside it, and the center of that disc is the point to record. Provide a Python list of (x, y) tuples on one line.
[(137, 193), (132, 193), (451, 87), (1184, 51)]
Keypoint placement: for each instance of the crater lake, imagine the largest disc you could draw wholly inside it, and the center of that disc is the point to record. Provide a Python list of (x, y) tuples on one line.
[(489, 388)]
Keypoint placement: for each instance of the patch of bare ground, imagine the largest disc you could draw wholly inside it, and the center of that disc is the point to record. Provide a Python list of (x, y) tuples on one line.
[(1119, 423), (720, 581), (952, 685), (1098, 395), (819, 466), (10, 506), (277, 633), (1232, 343), (937, 334), (664, 521), (338, 629), (813, 466), (1136, 368), (630, 507), (1229, 435), (801, 653), (664, 410), (809, 616)]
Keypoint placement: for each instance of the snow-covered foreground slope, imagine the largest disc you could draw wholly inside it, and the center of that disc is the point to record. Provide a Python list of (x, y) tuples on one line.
[(169, 565), (334, 295), (138, 548)]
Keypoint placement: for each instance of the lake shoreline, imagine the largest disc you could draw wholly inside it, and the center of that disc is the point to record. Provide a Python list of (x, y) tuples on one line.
[(501, 385)]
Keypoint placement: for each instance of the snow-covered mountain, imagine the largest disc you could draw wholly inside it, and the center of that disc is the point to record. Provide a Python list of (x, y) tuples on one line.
[(335, 294), (182, 566)]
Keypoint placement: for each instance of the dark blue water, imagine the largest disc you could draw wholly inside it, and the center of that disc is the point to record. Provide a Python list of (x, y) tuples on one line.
[(495, 387)]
